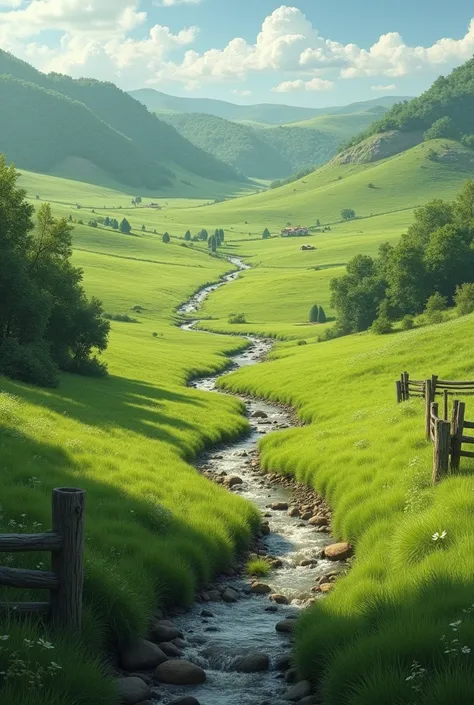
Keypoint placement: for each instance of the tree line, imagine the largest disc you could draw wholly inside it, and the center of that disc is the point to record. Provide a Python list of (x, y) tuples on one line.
[(435, 257), (46, 321)]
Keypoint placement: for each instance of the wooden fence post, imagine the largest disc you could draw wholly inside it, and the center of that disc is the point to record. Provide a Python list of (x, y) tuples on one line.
[(428, 400), (457, 430), (434, 383), (398, 385), (442, 447), (446, 405), (406, 378), (68, 563)]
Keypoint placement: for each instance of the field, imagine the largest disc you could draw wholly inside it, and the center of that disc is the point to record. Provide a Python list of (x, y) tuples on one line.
[(153, 530), (402, 600)]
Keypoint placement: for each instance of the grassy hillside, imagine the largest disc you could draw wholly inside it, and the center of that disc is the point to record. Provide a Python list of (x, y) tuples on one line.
[(401, 602), (153, 532), (266, 113), (105, 120), (341, 126), (444, 110)]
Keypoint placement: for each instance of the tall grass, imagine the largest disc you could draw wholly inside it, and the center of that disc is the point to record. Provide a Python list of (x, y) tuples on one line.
[(368, 457)]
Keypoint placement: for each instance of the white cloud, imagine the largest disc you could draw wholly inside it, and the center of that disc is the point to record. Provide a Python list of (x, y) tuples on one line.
[(242, 93), (171, 3), (316, 84), (96, 37), (382, 89)]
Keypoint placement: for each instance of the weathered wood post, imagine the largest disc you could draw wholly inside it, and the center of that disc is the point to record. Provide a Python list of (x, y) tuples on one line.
[(446, 405), (434, 384), (406, 379), (442, 447), (457, 430), (398, 385), (68, 562), (428, 401)]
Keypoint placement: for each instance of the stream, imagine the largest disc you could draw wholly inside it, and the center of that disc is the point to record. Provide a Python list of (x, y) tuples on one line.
[(247, 626)]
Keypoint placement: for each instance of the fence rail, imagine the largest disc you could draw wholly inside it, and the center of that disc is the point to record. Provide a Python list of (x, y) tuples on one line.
[(407, 388), (65, 580)]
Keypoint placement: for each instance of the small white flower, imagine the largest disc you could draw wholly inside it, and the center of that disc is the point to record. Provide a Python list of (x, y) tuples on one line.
[(465, 650), (435, 536)]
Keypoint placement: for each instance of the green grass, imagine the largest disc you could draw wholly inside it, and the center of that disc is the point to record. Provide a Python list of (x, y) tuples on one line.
[(369, 459), (258, 567), (155, 528)]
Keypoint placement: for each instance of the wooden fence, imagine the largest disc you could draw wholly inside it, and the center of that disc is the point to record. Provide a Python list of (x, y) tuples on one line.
[(65, 581), (407, 388)]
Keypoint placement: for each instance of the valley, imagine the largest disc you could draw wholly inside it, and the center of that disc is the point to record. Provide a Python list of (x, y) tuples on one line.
[(224, 437)]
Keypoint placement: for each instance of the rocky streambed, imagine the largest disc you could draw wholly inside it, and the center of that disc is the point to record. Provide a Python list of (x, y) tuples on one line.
[(233, 647)]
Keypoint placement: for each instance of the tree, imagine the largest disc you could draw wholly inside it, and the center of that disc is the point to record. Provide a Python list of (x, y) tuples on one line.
[(222, 234), (70, 218), (322, 315), (187, 236), (212, 243), (266, 234), (318, 223), (143, 229), (46, 320), (435, 307), (204, 235), (444, 127), (348, 214), (125, 227), (166, 237), (314, 314), (114, 223), (464, 299), (383, 324), (107, 221), (138, 200)]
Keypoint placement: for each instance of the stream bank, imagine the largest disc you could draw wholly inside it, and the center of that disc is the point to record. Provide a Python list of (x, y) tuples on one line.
[(238, 634)]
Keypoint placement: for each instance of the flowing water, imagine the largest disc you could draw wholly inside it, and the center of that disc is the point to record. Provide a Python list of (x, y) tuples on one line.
[(245, 626)]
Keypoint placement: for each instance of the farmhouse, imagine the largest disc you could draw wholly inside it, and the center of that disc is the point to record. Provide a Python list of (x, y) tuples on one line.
[(298, 231)]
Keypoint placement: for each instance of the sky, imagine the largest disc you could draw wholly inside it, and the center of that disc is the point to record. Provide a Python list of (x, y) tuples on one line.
[(308, 52)]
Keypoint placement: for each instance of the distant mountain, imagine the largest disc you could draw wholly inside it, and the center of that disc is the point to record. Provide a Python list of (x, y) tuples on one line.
[(267, 113), (48, 120), (274, 152)]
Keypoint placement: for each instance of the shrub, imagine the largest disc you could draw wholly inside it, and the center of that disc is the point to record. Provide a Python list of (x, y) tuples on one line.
[(166, 238), (121, 317), (371, 185), (87, 366), (236, 318), (348, 214), (301, 343), (382, 325), (435, 307), (314, 314), (408, 322), (28, 363), (464, 299)]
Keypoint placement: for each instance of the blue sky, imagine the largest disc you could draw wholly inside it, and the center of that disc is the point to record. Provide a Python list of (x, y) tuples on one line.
[(304, 52)]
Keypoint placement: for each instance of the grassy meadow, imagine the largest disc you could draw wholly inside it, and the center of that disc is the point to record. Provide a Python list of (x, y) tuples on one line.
[(155, 529), (407, 589)]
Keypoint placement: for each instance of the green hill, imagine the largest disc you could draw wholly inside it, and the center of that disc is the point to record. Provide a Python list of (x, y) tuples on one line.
[(266, 113), (95, 121), (271, 151), (444, 110)]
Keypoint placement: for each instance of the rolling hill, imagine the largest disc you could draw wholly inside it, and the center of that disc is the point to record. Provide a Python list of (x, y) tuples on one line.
[(48, 121), (271, 151), (265, 113)]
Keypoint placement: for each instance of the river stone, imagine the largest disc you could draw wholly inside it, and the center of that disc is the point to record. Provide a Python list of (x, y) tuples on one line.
[(318, 520), (259, 415), (170, 649), (286, 626), (291, 675), (326, 587), (338, 552), (233, 480), (299, 691), (306, 516), (187, 700), (260, 589), (141, 655), (132, 691), (293, 512), (279, 506), (230, 595), (253, 663), (283, 662), (279, 599), (206, 613), (180, 673), (162, 631)]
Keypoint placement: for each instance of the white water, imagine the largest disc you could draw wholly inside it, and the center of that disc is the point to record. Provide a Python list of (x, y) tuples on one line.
[(245, 627)]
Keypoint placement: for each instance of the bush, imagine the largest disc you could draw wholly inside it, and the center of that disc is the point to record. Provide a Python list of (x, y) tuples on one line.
[(87, 366), (348, 214), (464, 299), (121, 317), (408, 322), (381, 326), (314, 314), (236, 318), (301, 343), (28, 363), (435, 307)]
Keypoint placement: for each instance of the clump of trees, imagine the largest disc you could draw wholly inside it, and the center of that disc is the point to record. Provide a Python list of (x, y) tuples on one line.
[(430, 268), (348, 214), (235, 318), (46, 321), (317, 314)]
